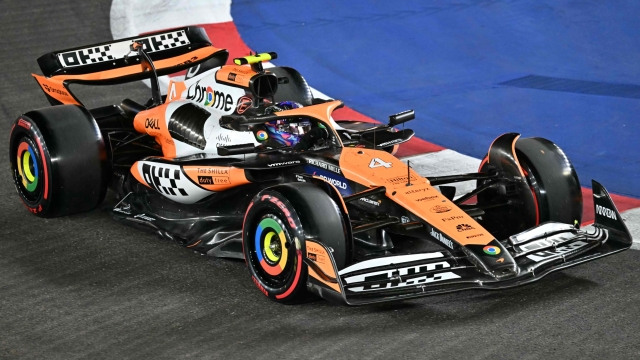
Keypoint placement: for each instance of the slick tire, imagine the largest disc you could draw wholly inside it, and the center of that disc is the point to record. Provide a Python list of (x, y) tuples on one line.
[(58, 161), (552, 179), (554, 189), (276, 224)]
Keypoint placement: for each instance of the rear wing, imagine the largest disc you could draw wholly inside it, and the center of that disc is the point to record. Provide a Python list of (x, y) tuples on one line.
[(113, 62)]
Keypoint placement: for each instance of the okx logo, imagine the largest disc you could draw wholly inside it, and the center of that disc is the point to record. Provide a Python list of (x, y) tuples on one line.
[(209, 97), (163, 180)]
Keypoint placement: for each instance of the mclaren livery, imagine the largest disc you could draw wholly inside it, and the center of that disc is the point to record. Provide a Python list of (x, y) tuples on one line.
[(240, 161)]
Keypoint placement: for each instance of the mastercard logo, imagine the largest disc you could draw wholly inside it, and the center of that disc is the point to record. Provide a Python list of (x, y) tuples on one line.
[(491, 250)]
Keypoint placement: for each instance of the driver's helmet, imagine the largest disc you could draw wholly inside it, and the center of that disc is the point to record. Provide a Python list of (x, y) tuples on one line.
[(286, 132)]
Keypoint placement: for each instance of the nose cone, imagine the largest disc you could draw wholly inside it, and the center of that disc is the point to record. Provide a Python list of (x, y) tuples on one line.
[(492, 259)]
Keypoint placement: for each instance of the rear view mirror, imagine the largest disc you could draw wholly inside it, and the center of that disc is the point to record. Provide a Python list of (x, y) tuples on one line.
[(402, 117)]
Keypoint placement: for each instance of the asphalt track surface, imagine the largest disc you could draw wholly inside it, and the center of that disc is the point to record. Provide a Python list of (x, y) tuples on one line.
[(86, 287)]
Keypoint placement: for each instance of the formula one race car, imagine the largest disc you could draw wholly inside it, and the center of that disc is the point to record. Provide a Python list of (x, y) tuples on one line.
[(243, 162)]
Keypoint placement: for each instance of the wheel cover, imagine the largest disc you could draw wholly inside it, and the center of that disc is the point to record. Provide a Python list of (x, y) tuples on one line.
[(27, 166), (271, 251)]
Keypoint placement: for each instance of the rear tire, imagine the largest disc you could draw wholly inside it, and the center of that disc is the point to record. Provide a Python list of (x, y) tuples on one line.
[(58, 161), (276, 225)]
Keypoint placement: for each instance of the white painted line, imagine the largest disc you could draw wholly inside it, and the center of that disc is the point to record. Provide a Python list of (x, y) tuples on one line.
[(134, 17)]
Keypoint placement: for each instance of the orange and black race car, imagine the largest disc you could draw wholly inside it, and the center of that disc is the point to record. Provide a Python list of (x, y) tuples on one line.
[(241, 161)]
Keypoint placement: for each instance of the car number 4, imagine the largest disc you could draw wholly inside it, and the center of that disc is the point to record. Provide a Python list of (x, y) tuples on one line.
[(376, 162)]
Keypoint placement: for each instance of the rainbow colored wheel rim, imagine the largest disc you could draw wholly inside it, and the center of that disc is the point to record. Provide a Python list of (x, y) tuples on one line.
[(270, 246), (27, 164), (491, 250)]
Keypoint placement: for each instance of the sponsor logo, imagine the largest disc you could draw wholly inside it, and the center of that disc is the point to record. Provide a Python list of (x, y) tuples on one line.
[(285, 163), (205, 180), (334, 182), (317, 253), (427, 198), (25, 124), (286, 212), (441, 238), (601, 210), (209, 97), (255, 281), (143, 217), (213, 180), (341, 184), (390, 142), (221, 180), (400, 179), (371, 202), (117, 50), (416, 191), (125, 209), (394, 278), (464, 227), (440, 209), (501, 260), (244, 103), (223, 138), (262, 135), (324, 165), (560, 250), (189, 61), (377, 162), (491, 250), (300, 178), (450, 218), (151, 124), (54, 90), (405, 219), (33, 210), (152, 175), (231, 77), (474, 236), (213, 171)]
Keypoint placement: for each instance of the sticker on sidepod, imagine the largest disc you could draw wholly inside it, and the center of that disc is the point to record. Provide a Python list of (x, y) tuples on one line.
[(170, 181)]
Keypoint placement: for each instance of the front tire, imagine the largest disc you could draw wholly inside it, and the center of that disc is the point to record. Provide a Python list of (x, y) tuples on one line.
[(276, 225), (554, 191)]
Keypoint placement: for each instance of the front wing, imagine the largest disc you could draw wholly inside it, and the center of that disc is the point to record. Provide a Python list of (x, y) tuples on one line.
[(537, 252)]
